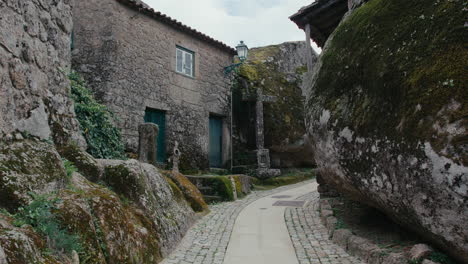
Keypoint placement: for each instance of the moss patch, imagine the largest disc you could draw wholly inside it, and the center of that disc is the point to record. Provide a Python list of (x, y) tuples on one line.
[(284, 119), (394, 80), (111, 230), (288, 178), (190, 191), (27, 165), (85, 163)]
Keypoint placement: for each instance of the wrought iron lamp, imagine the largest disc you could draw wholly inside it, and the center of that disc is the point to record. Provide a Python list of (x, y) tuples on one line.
[(242, 53)]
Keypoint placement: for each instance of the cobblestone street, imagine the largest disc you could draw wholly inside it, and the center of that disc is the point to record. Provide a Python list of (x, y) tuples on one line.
[(310, 237), (207, 241)]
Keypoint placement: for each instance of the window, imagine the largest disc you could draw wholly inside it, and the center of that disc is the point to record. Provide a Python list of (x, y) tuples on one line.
[(185, 61)]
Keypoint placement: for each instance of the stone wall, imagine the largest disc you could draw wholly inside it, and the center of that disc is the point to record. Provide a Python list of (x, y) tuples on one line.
[(128, 58), (34, 61), (387, 110)]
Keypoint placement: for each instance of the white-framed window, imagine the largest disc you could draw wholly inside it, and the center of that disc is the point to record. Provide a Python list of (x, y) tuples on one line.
[(185, 62)]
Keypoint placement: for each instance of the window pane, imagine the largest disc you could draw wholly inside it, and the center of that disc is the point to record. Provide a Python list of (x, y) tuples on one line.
[(179, 58), (188, 63)]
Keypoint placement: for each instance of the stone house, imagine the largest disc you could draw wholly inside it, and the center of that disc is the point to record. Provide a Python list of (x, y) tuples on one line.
[(146, 66)]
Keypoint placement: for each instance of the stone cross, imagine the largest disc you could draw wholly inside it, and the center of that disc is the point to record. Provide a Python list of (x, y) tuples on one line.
[(263, 155), (175, 158)]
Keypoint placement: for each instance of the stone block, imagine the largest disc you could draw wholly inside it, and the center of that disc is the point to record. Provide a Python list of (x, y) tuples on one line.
[(420, 251), (426, 261), (341, 237), (268, 173), (395, 258), (325, 205), (147, 146)]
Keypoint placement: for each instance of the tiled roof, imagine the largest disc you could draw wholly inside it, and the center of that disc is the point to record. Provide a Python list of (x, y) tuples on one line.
[(323, 16), (145, 9)]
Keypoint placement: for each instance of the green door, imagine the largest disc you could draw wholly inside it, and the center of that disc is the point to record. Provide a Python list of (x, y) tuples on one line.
[(216, 142), (159, 118)]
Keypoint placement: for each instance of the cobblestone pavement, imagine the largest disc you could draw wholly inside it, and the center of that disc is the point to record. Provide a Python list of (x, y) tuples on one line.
[(207, 241), (310, 236)]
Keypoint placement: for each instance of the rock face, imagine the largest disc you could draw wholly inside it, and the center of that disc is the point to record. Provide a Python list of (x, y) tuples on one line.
[(34, 57), (144, 185), (20, 245), (28, 166), (278, 70), (387, 110), (111, 231)]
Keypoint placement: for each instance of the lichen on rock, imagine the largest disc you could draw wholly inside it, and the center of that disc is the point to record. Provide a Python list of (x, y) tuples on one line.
[(386, 112), (144, 185), (278, 70), (21, 244), (190, 191), (28, 165), (111, 231)]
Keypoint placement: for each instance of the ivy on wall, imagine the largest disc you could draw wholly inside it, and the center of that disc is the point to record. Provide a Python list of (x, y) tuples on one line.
[(96, 121)]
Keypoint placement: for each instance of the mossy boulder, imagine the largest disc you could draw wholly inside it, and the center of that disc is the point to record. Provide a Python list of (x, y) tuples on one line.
[(277, 70), (145, 186), (386, 111), (189, 191), (244, 184), (219, 187), (21, 244), (111, 230), (28, 165), (84, 162)]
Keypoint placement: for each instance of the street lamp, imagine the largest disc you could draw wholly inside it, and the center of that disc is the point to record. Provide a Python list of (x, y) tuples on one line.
[(242, 53)]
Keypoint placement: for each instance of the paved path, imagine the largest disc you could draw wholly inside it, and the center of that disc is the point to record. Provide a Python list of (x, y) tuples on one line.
[(310, 237), (260, 234), (307, 242)]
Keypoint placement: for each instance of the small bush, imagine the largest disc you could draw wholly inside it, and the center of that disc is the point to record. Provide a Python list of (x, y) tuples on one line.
[(39, 215), (97, 122), (69, 168)]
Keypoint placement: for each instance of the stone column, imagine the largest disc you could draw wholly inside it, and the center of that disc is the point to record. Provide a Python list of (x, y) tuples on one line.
[(147, 147), (310, 63), (259, 124)]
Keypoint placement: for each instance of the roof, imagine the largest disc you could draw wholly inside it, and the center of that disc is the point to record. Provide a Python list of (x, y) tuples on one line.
[(143, 8), (323, 17)]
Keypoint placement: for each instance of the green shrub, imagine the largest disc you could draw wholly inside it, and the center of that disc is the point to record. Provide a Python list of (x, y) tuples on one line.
[(97, 122), (69, 168), (39, 215)]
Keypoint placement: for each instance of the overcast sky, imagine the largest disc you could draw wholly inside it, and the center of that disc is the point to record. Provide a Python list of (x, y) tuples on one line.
[(257, 22)]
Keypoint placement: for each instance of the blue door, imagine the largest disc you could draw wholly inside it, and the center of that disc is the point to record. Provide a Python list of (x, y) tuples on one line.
[(216, 142), (159, 118)]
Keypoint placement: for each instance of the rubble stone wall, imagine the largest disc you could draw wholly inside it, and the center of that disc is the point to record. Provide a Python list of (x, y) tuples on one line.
[(34, 61)]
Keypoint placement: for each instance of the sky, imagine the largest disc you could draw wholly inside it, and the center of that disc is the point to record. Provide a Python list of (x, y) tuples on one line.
[(256, 22)]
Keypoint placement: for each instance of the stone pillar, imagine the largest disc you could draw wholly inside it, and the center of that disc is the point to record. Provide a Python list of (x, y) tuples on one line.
[(310, 59), (147, 147), (259, 124)]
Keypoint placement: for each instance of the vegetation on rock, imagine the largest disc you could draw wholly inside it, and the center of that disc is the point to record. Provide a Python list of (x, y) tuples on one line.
[(97, 122), (39, 215), (387, 113), (27, 165), (190, 191), (284, 119)]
